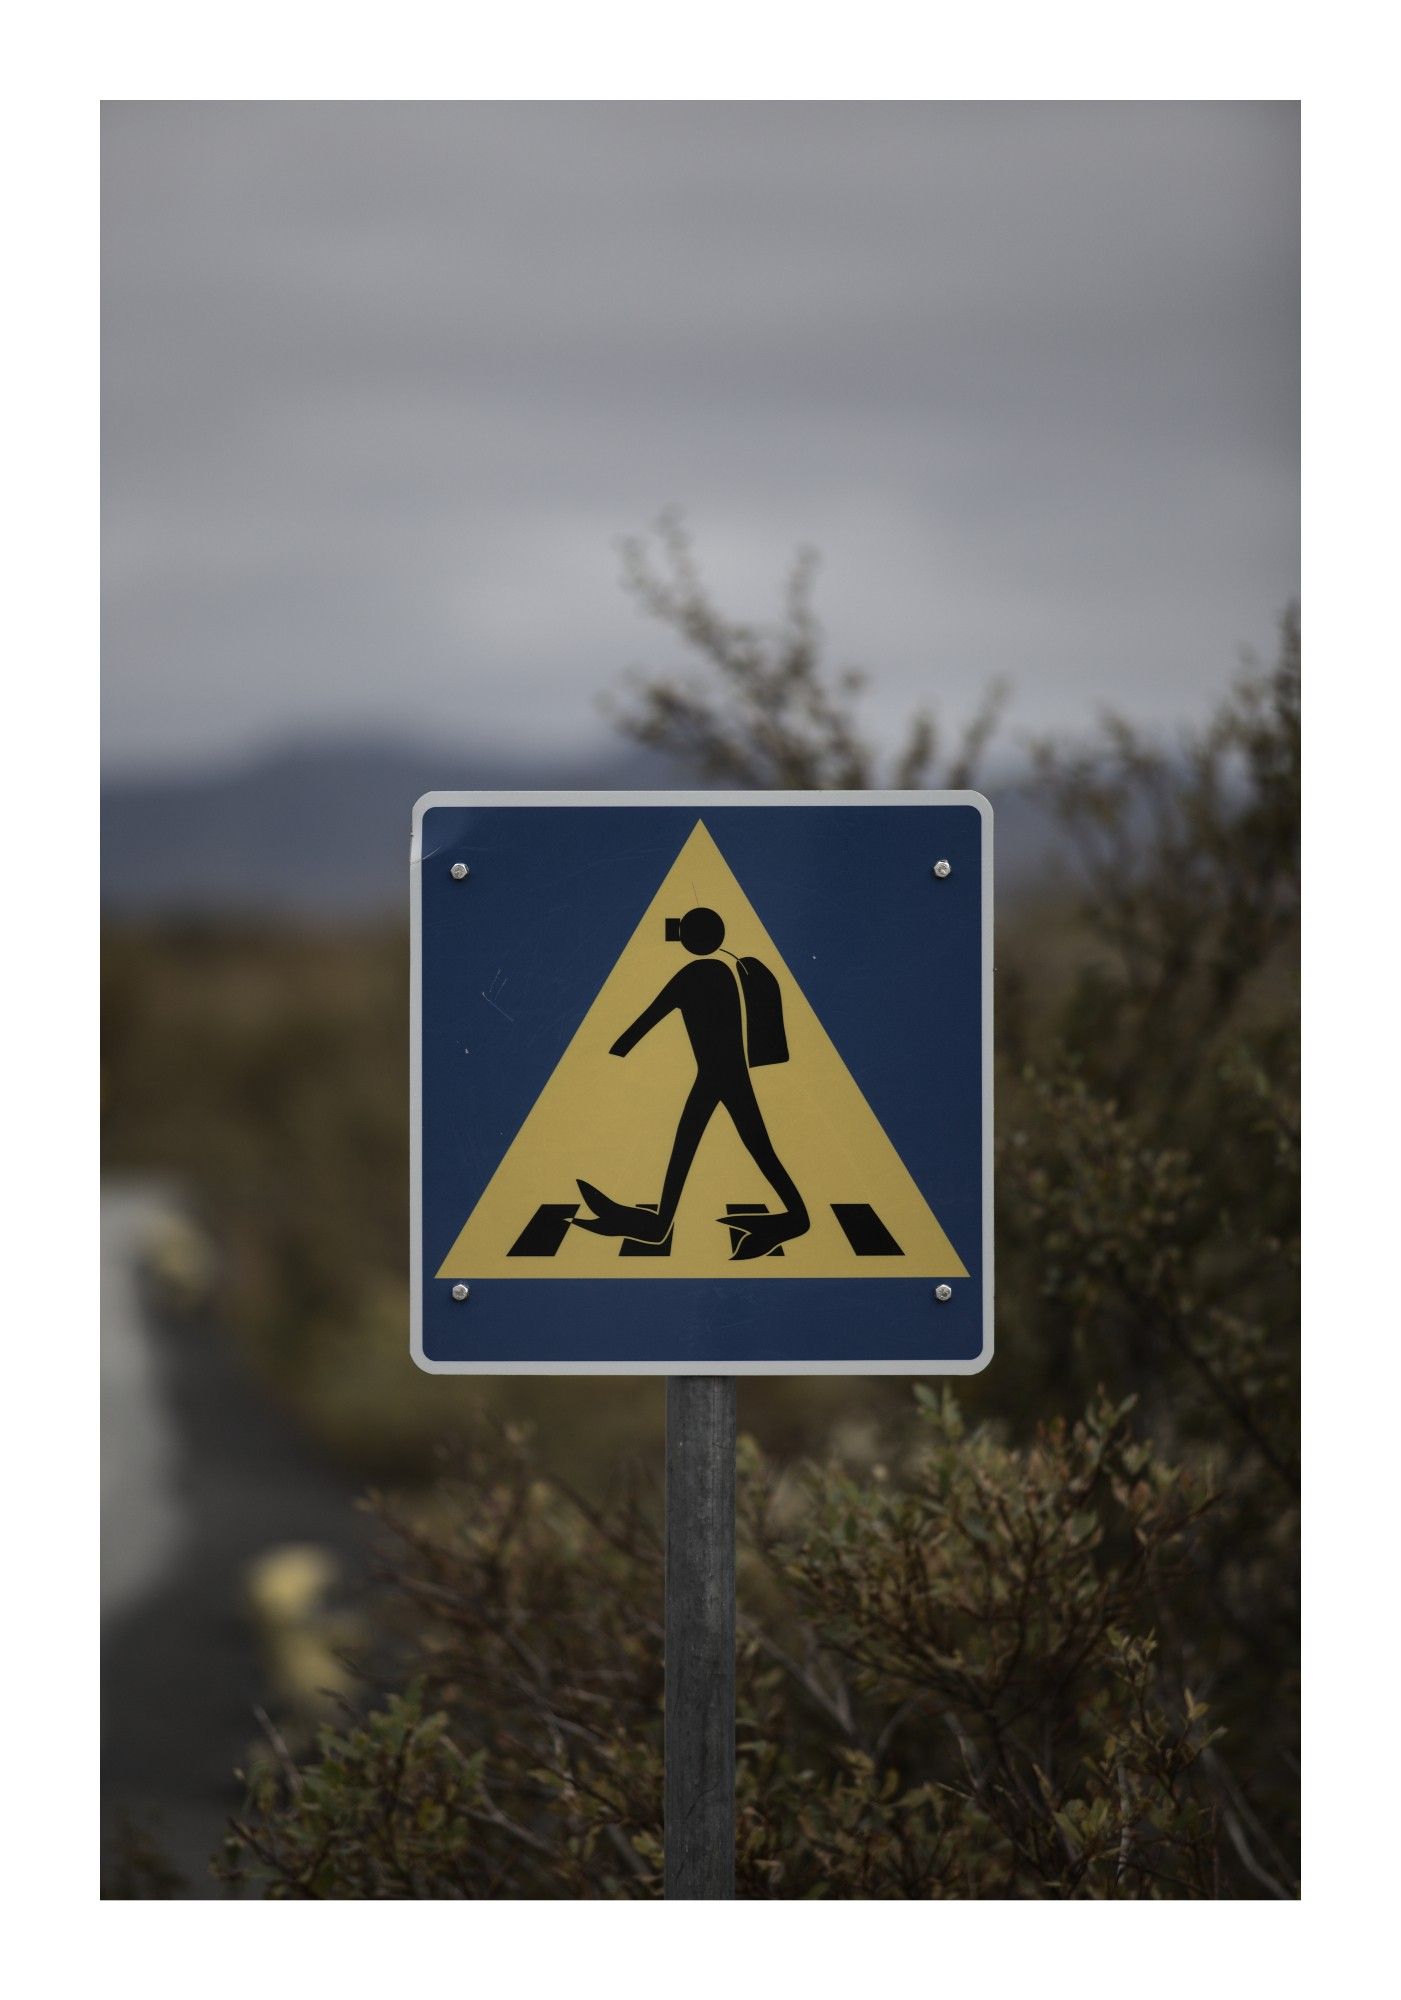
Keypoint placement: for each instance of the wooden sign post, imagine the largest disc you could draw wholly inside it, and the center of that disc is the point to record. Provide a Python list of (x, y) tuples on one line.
[(700, 1637)]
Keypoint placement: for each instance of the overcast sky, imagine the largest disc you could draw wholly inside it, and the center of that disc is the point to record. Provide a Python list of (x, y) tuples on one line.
[(383, 385)]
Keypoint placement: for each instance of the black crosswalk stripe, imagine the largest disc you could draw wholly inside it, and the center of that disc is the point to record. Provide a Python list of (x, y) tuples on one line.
[(546, 1230), (864, 1230)]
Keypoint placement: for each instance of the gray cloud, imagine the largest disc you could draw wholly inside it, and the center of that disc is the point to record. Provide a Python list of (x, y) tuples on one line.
[(383, 384)]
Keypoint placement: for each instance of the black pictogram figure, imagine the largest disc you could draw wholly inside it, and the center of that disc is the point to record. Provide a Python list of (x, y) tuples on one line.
[(737, 1229), (631, 1246), (728, 1034)]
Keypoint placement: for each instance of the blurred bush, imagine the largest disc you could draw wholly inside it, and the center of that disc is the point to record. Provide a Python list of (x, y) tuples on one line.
[(967, 1673), (949, 1686)]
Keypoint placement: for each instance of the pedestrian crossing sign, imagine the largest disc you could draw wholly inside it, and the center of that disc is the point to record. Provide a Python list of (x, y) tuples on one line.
[(701, 1083)]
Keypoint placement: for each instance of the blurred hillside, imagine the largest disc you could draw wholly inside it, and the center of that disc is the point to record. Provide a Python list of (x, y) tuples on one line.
[(323, 831), (310, 829)]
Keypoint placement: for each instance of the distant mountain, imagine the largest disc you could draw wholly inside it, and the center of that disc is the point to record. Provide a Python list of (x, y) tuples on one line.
[(325, 830), (303, 830)]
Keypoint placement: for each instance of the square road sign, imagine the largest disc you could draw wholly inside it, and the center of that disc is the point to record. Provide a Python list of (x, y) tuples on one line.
[(702, 1083)]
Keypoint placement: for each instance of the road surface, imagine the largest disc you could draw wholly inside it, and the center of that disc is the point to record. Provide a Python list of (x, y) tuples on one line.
[(201, 1479)]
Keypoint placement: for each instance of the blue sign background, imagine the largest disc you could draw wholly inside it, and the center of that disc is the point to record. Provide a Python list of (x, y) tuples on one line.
[(891, 961)]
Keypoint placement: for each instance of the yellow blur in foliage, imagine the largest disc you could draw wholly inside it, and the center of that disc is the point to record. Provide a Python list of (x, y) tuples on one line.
[(301, 1638)]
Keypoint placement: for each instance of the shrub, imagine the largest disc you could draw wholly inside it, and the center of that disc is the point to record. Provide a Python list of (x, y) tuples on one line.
[(951, 1684)]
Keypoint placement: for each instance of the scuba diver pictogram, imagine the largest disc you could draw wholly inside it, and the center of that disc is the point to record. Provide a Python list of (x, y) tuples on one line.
[(675, 1192), (734, 1020)]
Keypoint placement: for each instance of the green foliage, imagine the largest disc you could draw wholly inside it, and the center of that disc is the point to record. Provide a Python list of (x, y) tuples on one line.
[(384, 1807), (1190, 877), (949, 1685)]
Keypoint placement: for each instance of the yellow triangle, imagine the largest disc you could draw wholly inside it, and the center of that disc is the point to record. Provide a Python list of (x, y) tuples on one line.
[(611, 1121)]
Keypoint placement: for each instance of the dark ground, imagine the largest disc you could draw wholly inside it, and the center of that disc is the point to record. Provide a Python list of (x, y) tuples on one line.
[(183, 1662)]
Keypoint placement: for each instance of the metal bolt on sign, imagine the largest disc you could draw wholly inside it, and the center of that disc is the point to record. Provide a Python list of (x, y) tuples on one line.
[(943, 1293), (460, 1292), (943, 869), (459, 871)]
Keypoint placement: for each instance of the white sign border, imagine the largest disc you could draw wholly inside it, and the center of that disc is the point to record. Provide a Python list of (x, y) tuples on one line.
[(864, 1366)]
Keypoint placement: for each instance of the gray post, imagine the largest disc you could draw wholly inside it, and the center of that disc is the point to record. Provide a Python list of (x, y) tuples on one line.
[(700, 1636)]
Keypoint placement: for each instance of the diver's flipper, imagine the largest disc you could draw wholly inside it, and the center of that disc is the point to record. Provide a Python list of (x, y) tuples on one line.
[(760, 1235), (611, 1218)]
